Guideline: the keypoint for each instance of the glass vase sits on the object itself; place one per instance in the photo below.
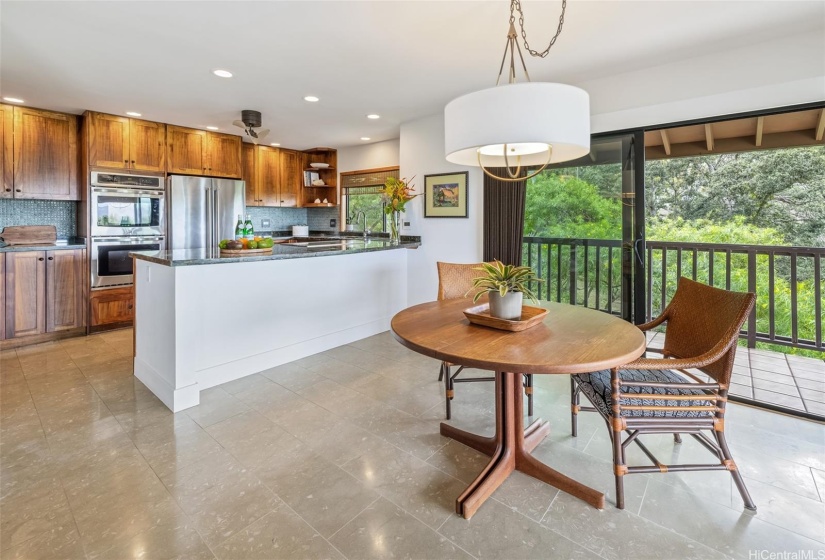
(395, 228)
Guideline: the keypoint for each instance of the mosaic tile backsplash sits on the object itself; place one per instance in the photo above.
(40, 213)
(282, 219)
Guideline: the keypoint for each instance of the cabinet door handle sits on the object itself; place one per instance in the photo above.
(133, 162)
(40, 259)
(19, 190)
(8, 190)
(50, 258)
(131, 306)
(126, 161)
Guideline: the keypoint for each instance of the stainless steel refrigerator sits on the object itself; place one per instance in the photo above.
(203, 210)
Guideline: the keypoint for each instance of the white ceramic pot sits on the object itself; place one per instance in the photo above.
(507, 307)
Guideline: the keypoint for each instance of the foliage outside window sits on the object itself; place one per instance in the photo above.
(367, 200)
(768, 197)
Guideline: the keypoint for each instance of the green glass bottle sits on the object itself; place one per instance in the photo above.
(248, 231)
(239, 229)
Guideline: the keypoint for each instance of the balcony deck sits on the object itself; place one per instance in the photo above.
(775, 379)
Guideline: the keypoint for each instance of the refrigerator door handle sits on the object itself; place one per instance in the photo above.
(216, 221)
(209, 216)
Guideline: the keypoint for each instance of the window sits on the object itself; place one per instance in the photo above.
(362, 192)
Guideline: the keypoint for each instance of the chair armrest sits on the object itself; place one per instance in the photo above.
(709, 357)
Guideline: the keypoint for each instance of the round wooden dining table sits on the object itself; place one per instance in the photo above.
(570, 340)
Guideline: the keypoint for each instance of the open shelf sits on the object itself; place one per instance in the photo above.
(316, 169)
(319, 204)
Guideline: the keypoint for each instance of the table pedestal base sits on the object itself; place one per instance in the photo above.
(510, 449)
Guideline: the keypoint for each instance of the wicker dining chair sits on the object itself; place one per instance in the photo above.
(658, 396)
(454, 281)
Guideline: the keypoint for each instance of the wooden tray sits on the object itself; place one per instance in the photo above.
(530, 317)
(29, 235)
(242, 252)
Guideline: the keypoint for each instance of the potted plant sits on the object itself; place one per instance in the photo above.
(507, 285)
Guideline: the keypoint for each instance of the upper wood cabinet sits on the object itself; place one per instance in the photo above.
(291, 177)
(124, 143)
(6, 155)
(44, 291)
(198, 152)
(45, 155)
(224, 155)
(273, 176)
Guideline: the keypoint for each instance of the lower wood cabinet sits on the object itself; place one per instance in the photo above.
(116, 305)
(44, 292)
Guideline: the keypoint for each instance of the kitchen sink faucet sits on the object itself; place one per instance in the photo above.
(363, 215)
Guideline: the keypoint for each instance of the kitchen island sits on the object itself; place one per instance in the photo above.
(202, 320)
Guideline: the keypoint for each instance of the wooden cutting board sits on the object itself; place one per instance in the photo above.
(29, 235)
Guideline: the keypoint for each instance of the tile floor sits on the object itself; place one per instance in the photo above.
(794, 382)
(338, 456)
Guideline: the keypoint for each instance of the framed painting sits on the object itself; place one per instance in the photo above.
(445, 195)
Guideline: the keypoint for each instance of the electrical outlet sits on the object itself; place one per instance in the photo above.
(332, 222)
(406, 224)
(265, 223)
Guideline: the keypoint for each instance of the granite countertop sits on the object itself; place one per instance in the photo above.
(60, 245)
(189, 257)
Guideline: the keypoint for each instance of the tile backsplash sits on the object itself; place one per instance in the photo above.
(61, 213)
(282, 219)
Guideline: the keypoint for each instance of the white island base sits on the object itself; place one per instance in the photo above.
(198, 326)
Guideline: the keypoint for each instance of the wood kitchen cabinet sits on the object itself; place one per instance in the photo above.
(44, 292)
(45, 155)
(273, 176)
(6, 155)
(116, 305)
(198, 152)
(123, 143)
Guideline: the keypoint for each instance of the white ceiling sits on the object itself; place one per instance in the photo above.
(400, 59)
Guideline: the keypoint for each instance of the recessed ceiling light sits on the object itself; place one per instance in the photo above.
(373, 116)
(274, 144)
(365, 138)
(222, 73)
(311, 99)
(133, 114)
(211, 128)
(13, 100)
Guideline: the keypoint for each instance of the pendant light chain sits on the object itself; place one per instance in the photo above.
(515, 5)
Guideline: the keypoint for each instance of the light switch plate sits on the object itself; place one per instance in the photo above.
(332, 222)
(265, 223)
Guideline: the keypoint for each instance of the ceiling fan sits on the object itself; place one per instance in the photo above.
(250, 122)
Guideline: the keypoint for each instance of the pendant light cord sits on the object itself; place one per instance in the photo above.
(515, 6)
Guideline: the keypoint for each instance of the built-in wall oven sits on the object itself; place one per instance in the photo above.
(111, 263)
(127, 205)
(127, 213)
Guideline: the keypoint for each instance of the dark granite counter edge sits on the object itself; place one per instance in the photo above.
(273, 257)
(62, 245)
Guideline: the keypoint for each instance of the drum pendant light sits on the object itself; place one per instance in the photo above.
(518, 125)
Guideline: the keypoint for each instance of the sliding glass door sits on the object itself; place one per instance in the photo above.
(584, 228)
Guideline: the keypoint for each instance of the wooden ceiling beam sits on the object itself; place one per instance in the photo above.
(665, 141)
(760, 125)
(709, 136)
(820, 127)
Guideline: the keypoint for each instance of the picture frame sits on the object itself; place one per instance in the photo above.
(445, 195)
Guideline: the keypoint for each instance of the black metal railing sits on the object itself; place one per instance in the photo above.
(787, 280)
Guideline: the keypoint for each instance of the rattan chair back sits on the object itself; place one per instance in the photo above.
(455, 280)
(700, 318)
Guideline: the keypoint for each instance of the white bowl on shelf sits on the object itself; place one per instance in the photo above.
(319, 165)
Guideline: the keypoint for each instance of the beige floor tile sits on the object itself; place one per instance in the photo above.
(250, 382)
(421, 489)
(215, 406)
(292, 376)
(279, 534)
(384, 530)
(325, 496)
(497, 532)
(162, 542)
(732, 532)
(63, 541)
(32, 510)
(168, 446)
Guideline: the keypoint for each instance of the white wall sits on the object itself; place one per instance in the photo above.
(782, 72)
(442, 239)
(368, 156)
